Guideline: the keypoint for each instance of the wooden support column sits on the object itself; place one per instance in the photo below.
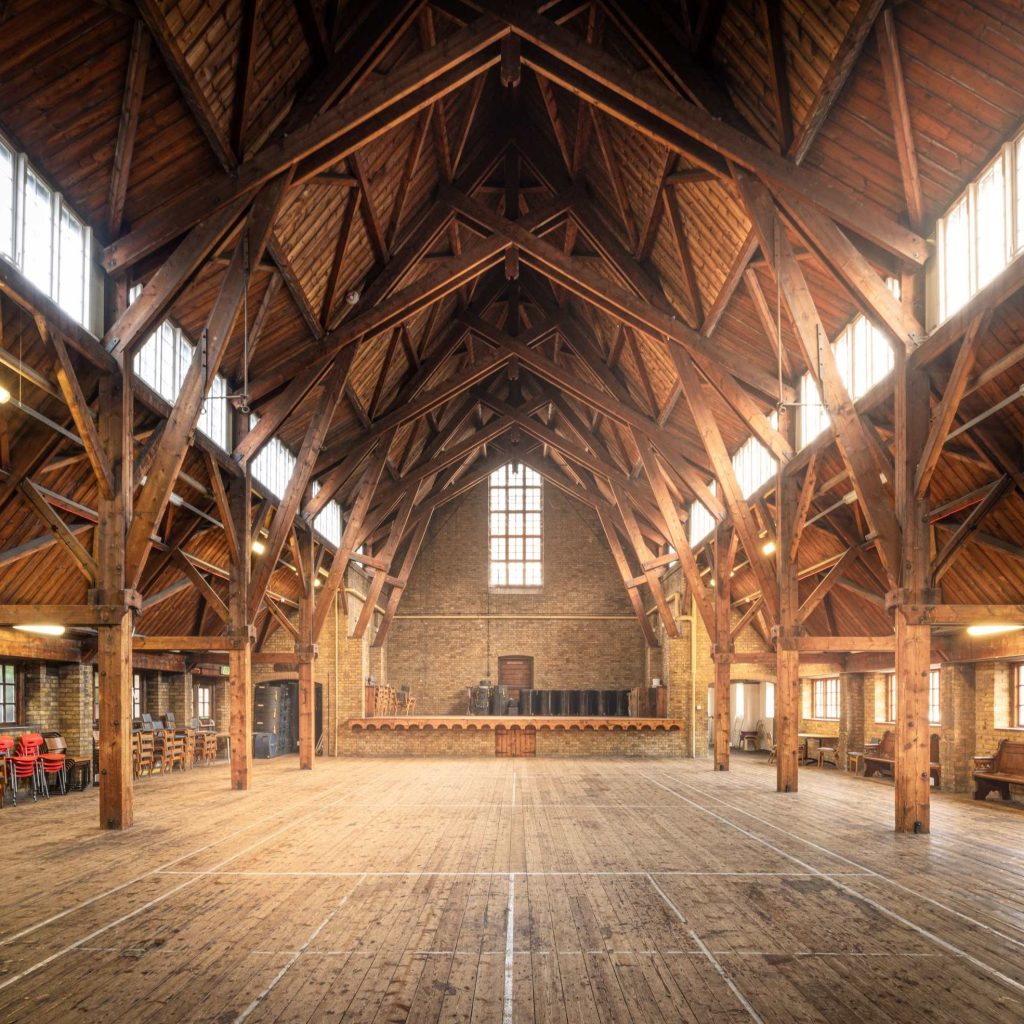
(913, 638)
(114, 642)
(725, 555)
(305, 650)
(787, 660)
(240, 655)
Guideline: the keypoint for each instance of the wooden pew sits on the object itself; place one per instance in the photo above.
(880, 757)
(995, 773)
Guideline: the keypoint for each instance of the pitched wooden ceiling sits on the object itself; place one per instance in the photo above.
(545, 237)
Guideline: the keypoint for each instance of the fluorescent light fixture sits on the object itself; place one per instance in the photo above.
(5, 395)
(991, 629)
(43, 629)
(258, 547)
(768, 547)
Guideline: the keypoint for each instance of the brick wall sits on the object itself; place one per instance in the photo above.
(75, 708)
(481, 743)
(439, 657)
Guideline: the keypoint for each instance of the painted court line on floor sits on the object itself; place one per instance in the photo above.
(160, 869)
(288, 966)
(864, 869)
(191, 880)
(867, 900)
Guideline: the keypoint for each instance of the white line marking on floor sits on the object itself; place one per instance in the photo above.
(159, 899)
(295, 956)
(722, 973)
(140, 878)
(661, 893)
(506, 1013)
(522, 874)
(874, 904)
(864, 869)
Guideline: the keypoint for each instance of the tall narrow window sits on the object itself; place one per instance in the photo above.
(1018, 697)
(8, 694)
(203, 701)
(955, 284)
(38, 234)
(71, 293)
(934, 708)
(991, 224)
(6, 201)
(702, 522)
(825, 705)
(136, 695)
(515, 527)
(890, 697)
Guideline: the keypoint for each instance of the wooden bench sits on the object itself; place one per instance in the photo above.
(997, 772)
(881, 757)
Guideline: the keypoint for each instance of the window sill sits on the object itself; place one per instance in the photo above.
(516, 590)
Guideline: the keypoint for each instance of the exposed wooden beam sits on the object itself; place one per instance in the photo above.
(131, 101)
(244, 74)
(367, 114)
(899, 108)
(776, 42)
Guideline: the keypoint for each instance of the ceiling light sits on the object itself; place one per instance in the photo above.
(352, 297)
(318, 582)
(768, 547)
(5, 395)
(43, 629)
(991, 629)
(258, 547)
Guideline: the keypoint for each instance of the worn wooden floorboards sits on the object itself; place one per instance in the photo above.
(511, 891)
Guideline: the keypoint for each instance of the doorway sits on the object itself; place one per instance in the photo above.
(515, 671)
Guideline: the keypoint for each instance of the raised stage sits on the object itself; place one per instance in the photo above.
(513, 736)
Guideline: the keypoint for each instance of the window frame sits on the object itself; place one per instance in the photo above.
(18, 703)
(202, 692)
(825, 698)
(531, 480)
(934, 696)
(1017, 696)
(59, 208)
(137, 688)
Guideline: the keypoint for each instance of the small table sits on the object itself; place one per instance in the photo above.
(853, 761)
(806, 737)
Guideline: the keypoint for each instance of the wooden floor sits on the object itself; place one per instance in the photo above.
(511, 891)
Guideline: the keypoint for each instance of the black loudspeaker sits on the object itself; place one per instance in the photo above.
(556, 702)
(499, 699)
(543, 702)
(264, 745)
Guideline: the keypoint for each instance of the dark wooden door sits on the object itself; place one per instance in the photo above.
(515, 741)
(515, 671)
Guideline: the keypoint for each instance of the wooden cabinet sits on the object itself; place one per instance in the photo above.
(648, 702)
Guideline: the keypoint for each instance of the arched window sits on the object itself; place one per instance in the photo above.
(514, 527)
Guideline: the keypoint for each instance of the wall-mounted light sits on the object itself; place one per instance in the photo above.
(42, 628)
(991, 629)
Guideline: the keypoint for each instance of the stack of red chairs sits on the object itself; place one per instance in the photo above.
(6, 746)
(27, 763)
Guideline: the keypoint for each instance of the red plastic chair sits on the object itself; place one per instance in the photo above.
(6, 746)
(53, 764)
(25, 767)
(29, 743)
(27, 763)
